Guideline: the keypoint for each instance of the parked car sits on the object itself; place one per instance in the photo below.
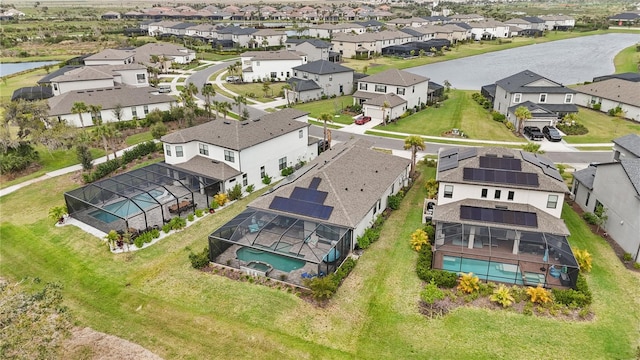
(233, 79)
(551, 133)
(363, 120)
(164, 89)
(533, 133)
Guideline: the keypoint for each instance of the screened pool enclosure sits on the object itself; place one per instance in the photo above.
(291, 246)
(141, 199)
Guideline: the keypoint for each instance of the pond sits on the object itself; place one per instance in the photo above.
(12, 68)
(566, 61)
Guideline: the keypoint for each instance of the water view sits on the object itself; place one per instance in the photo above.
(12, 68)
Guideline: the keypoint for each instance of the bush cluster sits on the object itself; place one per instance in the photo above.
(498, 117)
(287, 171)
(323, 288)
(369, 236)
(17, 158)
(199, 260)
(484, 102)
(590, 218)
(235, 193)
(579, 297)
(128, 156)
(575, 129)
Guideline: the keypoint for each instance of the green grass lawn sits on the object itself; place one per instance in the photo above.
(331, 106)
(216, 57)
(11, 83)
(459, 111)
(255, 90)
(627, 60)
(154, 298)
(138, 138)
(602, 127)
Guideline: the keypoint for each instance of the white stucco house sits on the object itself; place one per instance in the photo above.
(243, 152)
(390, 93)
(276, 65)
(111, 57)
(611, 93)
(96, 77)
(615, 187)
(489, 29)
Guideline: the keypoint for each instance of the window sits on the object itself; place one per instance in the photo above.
(167, 150)
(257, 63)
(146, 109)
(203, 149)
(300, 134)
(141, 78)
(381, 88)
(362, 86)
(282, 163)
(586, 203)
(517, 98)
(330, 77)
(497, 194)
(262, 172)
(568, 98)
(552, 202)
(305, 75)
(575, 188)
(484, 193)
(274, 74)
(244, 180)
(598, 210)
(448, 191)
(134, 111)
(510, 195)
(179, 152)
(400, 91)
(55, 87)
(543, 98)
(229, 156)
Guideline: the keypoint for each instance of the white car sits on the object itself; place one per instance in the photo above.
(233, 78)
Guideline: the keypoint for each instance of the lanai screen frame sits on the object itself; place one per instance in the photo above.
(84, 201)
(237, 232)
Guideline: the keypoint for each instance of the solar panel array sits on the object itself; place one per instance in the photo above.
(500, 163)
(467, 153)
(501, 216)
(315, 182)
(501, 176)
(547, 166)
(300, 207)
(448, 159)
(309, 195)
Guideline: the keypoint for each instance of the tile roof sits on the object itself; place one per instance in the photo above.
(209, 167)
(520, 83)
(108, 98)
(395, 77)
(630, 142)
(322, 67)
(618, 90)
(392, 100)
(236, 135)
(354, 176)
(586, 176)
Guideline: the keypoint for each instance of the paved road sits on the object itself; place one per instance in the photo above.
(200, 78)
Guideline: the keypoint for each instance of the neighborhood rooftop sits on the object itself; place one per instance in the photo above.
(322, 67)
(395, 77)
(627, 92)
(630, 142)
(108, 98)
(529, 82)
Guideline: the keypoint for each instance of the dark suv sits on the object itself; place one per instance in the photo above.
(551, 133)
(533, 133)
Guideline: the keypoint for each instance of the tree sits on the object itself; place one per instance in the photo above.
(601, 216)
(447, 86)
(84, 157)
(266, 88)
(324, 117)
(365, 69)
(186, 97)
(118, 112)
(102, 131)
(57, 213)
(385, 116)
(79, 108)
(239, 100)
(522, 114)
(208, 91)
(286, 88)
(415, 143)
(225, 107)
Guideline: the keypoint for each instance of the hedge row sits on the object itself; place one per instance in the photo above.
(106, 168)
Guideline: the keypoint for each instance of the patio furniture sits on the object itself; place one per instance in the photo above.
(254, 228)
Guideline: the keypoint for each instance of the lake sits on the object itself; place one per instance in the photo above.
(566, 61)
(12, 68)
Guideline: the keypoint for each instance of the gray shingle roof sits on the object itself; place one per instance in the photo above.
(395, 77)
(586, 176)
(630, 142)
(618, 90)
(392, 100)
(299, 85)
(546, 222)
(517, 83)
(208, 167)
(354, 176)
(108, 98)
(273, 55)
(537, 110)
(83, 74)
(632, 168)
(321, 67)
(111, 54)
(236, 135)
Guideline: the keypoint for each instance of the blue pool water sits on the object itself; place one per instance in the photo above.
(485, 270)
(127, 207)
(281, 263)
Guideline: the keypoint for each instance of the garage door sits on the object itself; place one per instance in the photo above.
(374, 111)
(539, 123)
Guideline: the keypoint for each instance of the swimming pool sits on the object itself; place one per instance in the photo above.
(485, 270)
(279, 262)
(125, 208)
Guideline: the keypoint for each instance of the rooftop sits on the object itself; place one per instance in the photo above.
(395, 77)
(630, 143)
(322, 67)
(529, 82)
(108, 98)
(623, 91)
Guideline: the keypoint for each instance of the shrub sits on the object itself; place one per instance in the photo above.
(158, 130)
(344, 270)
(266, 179)
(250, 188)
(322, 288)
(177, 223)
(597, 106)
(469, 283)
(139, 242)
(199, 260)
(369, 236)
(287, 171)
(235, 193)
(166, 228)
(502, 295)
(84, 157)
(498, 117)
(155, 233)
(431, 186)
(627, 257)
(538, 295)
(431, 293)
(419, 239)
(590, 218)
(570, 297)
(636, 266)
(575, 129)
(532, 148)
(393, 201)
(199, 212)
(584, 259)
(509, 125)
(430, 230)
(220, 199)
(190, 217)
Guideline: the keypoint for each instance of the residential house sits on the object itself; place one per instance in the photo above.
(243, 152)
(327, 30)
(127, 103)
(614, 187)
(110, 15)
(611, 94)
(312, 223)
(111, 57)
(367, 44)
(489, 29)
(96, 77)
(410, 22)
(558, 22)
(466, 18)
(320, 78)
(160, 27)
(498, 216)
(628, 18)
(269, 38)
(315, 49)
(526, 86)
(388, 94)
(201, 30)
(179, 29)
(241, 37)
(171, 52)
(270, 65)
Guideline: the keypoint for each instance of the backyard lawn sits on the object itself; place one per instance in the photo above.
(628, 60)
(154, 298)
(460, 111)
(255, 91)
(331, 106)
(602, 127)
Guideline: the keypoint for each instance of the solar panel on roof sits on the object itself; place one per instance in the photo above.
(315, 182)
(467, 153)
(310, 195)
(500, 163)
(501, 216)
(447, 164)
(449, 152)
(500, 176)
(300, 207)
(531, 158)
(553, 172)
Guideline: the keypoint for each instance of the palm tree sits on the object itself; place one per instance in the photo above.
(415, 143)
(522, 113)
(186, 96)
(240, 99)
(324, 117)
(96, 113)
(225, 107)
(208, 91)
(79, 108)
(385, 117)
(286, 88)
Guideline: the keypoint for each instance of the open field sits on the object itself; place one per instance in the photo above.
(331, 106)
(153, 297)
